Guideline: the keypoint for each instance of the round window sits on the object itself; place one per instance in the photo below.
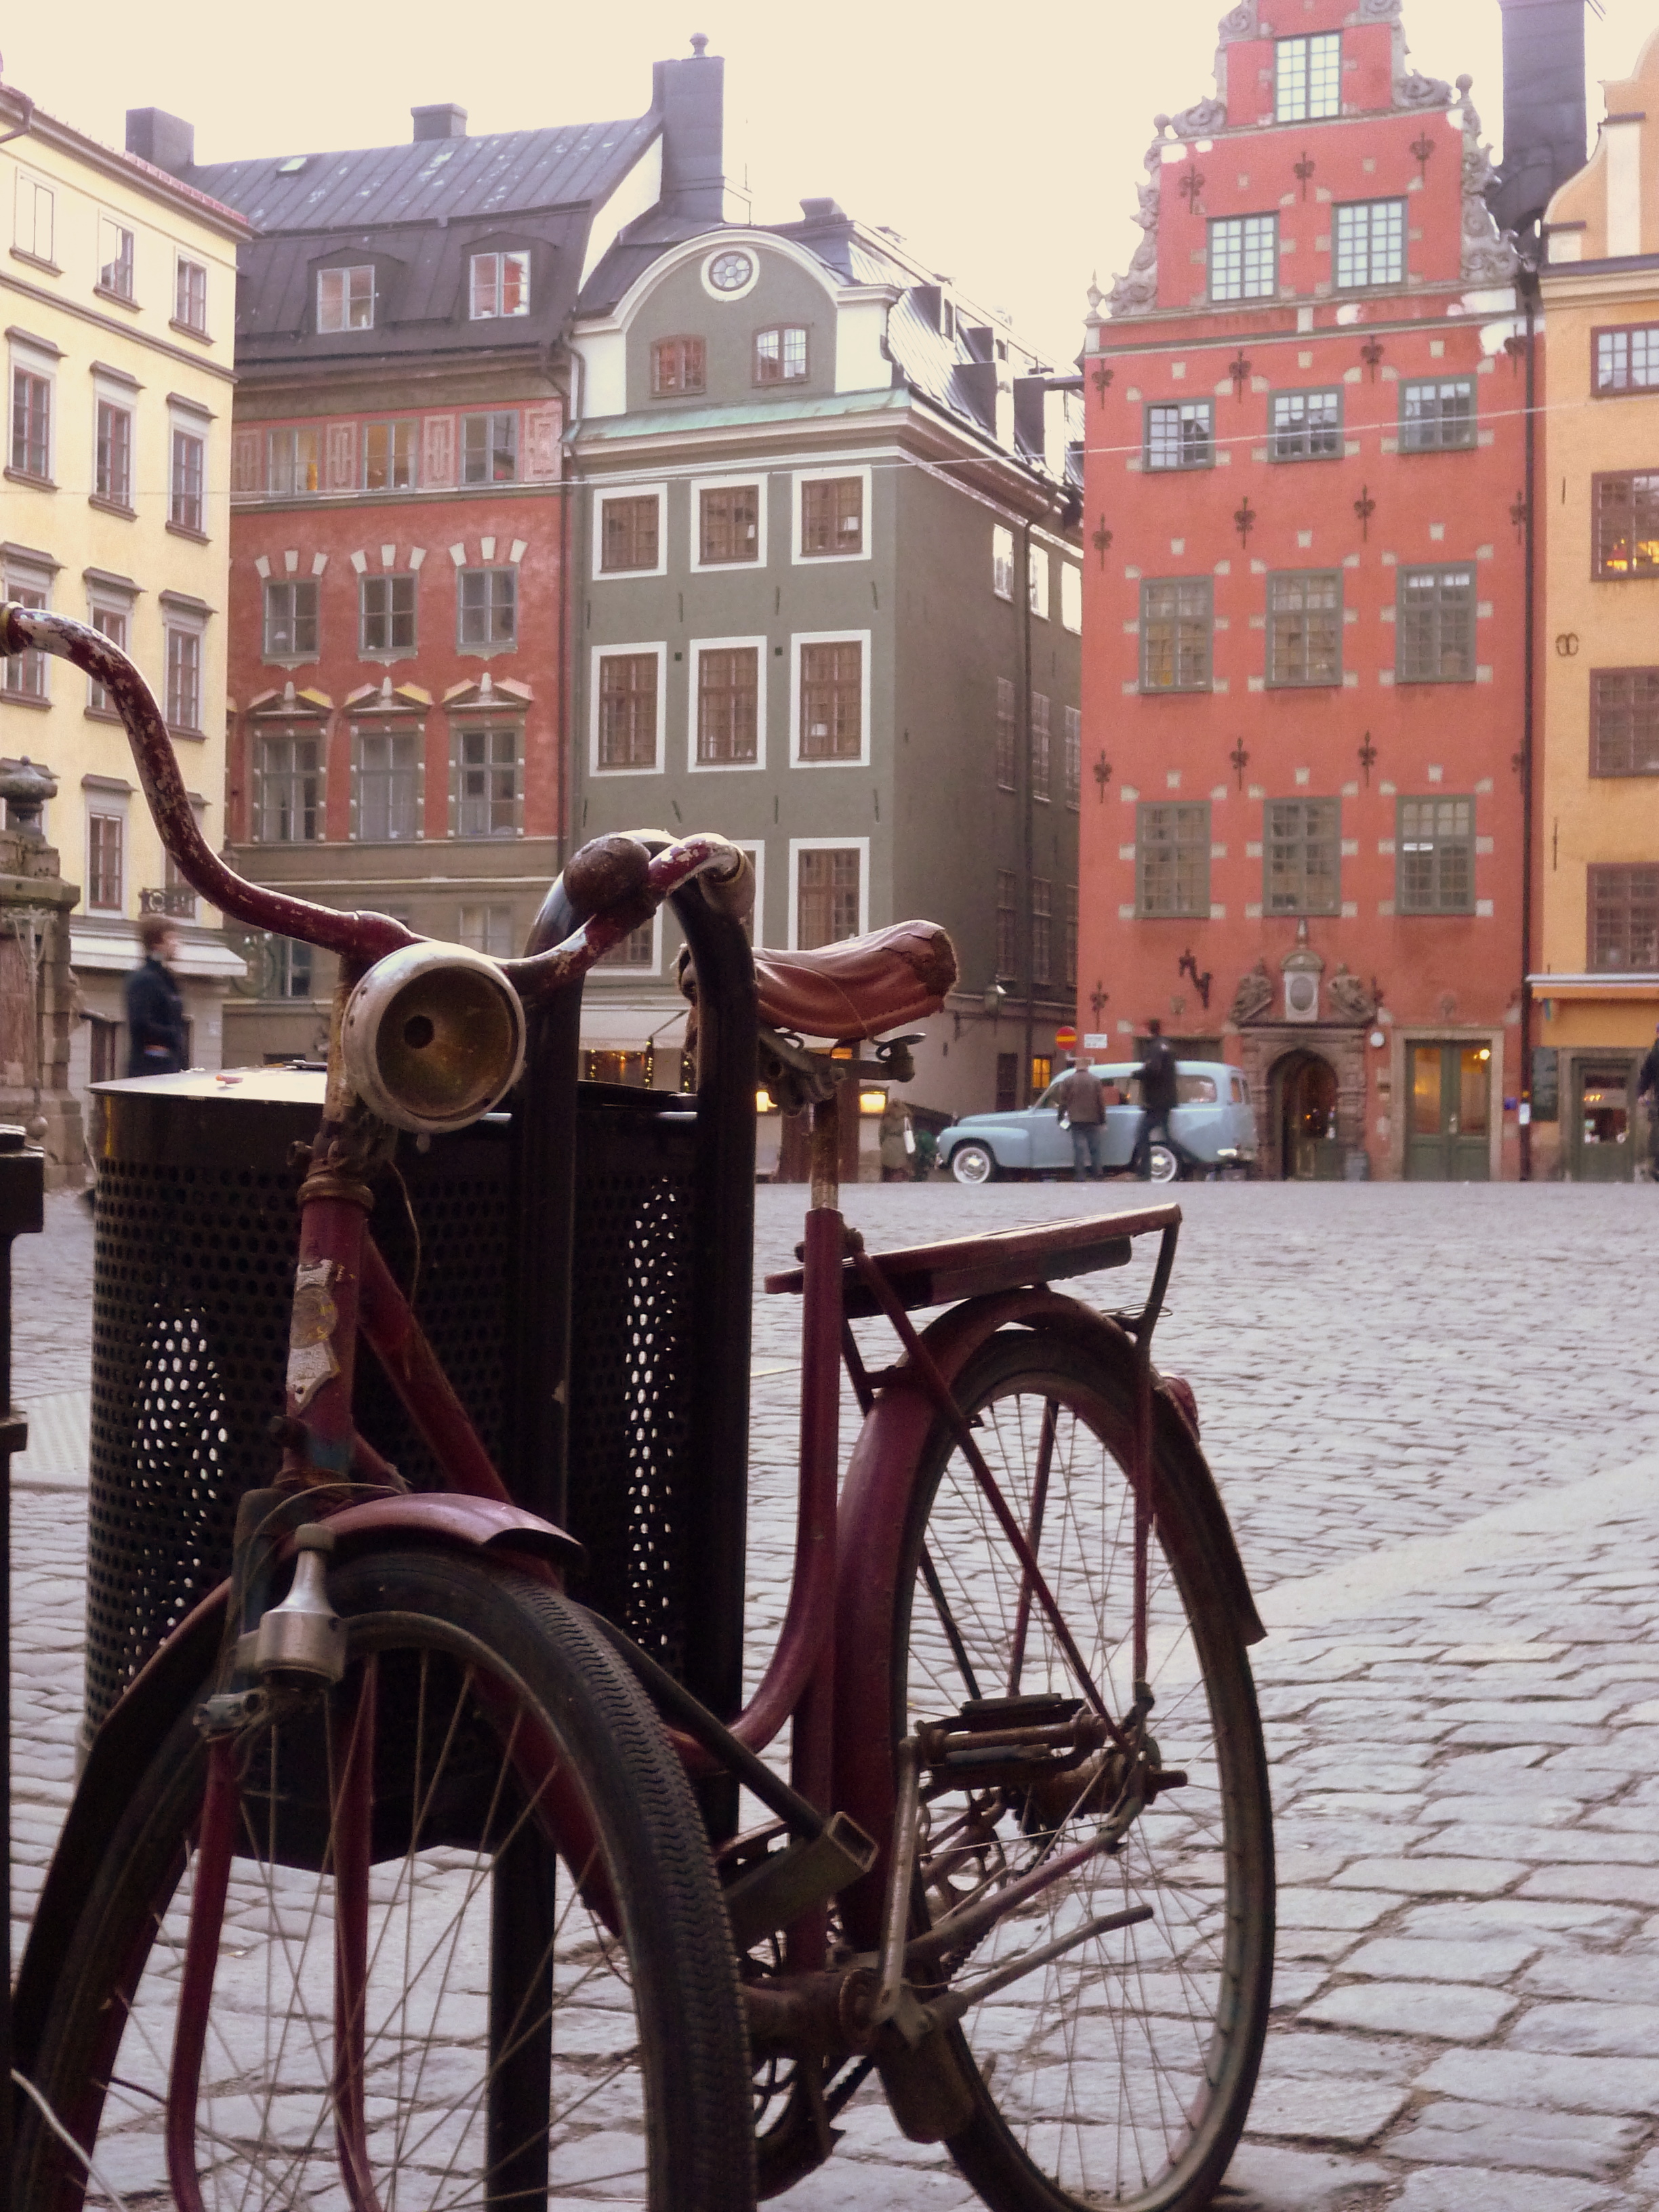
(729, 273)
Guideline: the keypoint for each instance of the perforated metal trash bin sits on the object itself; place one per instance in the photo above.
(197, 1235)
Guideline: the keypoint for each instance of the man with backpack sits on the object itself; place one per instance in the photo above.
(1157, 1073)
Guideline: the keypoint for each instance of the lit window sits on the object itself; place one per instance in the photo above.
(1071, 595)
(189, 295)
(1036, 580)
(1176, 625)
(345, 299)
(389, 456)
(501, 285)
(1002, 562)
(1244, 258)
(114, 257)
(780, 354)
(1308, 77)
(1371, 245)
(1626, 517)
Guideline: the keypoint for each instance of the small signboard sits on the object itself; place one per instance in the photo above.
(1096, 1041)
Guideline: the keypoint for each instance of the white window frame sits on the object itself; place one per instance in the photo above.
(497, 313)
(657, 491)
(695, 647)
(1002, 561)
(760, 480)
(598, 973)
(483, 906)
(347, 269)
(126, 251)
(19, 576)
(1070, 597)
(33, 362)
(120, 399)
(180, 262)
(756, 848)
(1037, 565)
(800, 560)
(108, 599)
(26, 230)
(608, 651)
(107, 806)
(798, 639)
(181, 425)
(799, 845)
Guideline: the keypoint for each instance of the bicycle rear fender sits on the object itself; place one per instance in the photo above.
(135, 1728)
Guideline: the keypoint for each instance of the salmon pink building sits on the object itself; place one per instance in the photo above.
(1302, 690)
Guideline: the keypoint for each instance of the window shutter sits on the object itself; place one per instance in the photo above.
(245, 471)
(440, 469)
(542, 425)
(342, 456)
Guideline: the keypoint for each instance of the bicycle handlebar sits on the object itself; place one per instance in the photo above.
(359, 939)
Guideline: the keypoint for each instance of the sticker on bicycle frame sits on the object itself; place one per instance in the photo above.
(310, 1359)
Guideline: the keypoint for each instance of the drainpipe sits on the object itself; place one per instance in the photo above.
(1028, 825)
(1529, 294)
(569, 658)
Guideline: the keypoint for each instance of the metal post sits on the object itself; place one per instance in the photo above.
(1529, 292)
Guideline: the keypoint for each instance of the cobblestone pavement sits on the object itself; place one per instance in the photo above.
(1434, 1416)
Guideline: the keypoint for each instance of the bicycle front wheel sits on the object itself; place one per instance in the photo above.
(1121, 2073)
(544, 2000)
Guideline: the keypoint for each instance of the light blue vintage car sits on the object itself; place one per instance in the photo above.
(1212, 1129)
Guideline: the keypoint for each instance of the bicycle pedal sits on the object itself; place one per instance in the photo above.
(785, 1884)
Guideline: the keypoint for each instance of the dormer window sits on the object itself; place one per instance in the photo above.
(780, 354)
(1308, 77)
(501, 285)
(345, 299)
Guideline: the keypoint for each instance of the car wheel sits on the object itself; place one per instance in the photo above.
(973, 1164)
(1165, 1167)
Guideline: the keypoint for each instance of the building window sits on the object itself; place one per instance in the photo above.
(486, 782)
(345, 299)
(780, 354)
(189, 295)
(291, 620)
(110, 623)
(23, 675)
(386, 606)
(826, 895)
(288, 790)
(1302, 848)
(31, 424)
(488, 601)
(1071, 934)
(294, 462)
(832, 701)
(1624, 919)
(1006, 747)
(291, 967)
(389, 455)
(676, 367)
(1308, 77)
(728, 703)
(1040, 748)
(1071, 597)
(111, 478)
(1007, 1082)
(177, 895)
(501, 285)
(1627, 510)
(1627, 359)
(1244, 258)
(628, 710)
(1036, 581)
(1305, 628)
(1625, 721)
(831, 516)
(488, 929)
(490, 448)
(1434, 622)
(1007, 924)
(185, 680)
(388, 784)
(114, 257)
(1434, 842)
(1172, 859)
(728, 525)
(1305, 426)
(1042, 929)
(1181, 434)
(1002, 562)
(1074, 757)
(637, 950)
(1175, 621)
(1436, 416)
(1371, 245)
(105, 834)
(35, 213)
(628, 534)
(187, 509)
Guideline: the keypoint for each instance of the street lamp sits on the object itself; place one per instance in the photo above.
(994, 995)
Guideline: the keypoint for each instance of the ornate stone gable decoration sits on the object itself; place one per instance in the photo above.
(1302, 968)
(1379, 11)
(1202, 120)
(1350, 1000)
(1254, 996)
(1136, 291)
(1239, 22)
(1489, 254)
(1411, 88)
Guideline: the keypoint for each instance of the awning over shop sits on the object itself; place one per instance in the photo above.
(102, 948)
(615, 1028)
(1609, 987)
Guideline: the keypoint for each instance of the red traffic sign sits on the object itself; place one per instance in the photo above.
(1065, 1039)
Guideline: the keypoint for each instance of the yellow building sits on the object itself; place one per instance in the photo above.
(119, 321)
(1596, 978)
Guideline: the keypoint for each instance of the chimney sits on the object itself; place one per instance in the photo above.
(446, 120)
(1543, 107)
(690, 96)
(165, 140)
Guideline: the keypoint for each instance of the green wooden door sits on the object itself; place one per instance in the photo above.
(1450, 1105)
(1601, 1140)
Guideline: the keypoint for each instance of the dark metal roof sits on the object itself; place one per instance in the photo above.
(508, 172)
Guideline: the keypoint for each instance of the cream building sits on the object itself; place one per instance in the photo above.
(1596, 978)
(119, 320)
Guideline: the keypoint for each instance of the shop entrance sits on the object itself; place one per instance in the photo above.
(1450, 1089)
(1306, 1118)
(1603, 1137)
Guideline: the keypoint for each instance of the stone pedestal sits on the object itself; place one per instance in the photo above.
(36, 987)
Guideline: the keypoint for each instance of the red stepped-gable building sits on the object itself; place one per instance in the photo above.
(1302, 666)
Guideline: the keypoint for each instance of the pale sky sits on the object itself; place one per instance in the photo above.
(1003, 143)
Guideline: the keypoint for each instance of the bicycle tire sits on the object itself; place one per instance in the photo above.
(648, 2072)
(1177, 2009)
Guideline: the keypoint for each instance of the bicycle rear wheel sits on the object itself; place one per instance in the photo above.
(549, 2003)
(1121, 2072)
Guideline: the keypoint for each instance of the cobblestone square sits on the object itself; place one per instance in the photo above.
(1433, 1415)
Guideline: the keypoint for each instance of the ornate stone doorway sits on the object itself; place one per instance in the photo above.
(1305, 1103)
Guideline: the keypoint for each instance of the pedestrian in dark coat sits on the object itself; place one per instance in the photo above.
(155, 1006)
(1647, 1087)
(1158, 1096)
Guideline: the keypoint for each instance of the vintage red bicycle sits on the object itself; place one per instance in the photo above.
(397, 1877)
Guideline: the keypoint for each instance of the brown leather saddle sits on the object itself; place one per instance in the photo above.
(860, 987)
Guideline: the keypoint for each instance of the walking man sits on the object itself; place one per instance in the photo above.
(1083, 1106)
(1158, 1100)
(1647, 1088)
(155, 1009)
